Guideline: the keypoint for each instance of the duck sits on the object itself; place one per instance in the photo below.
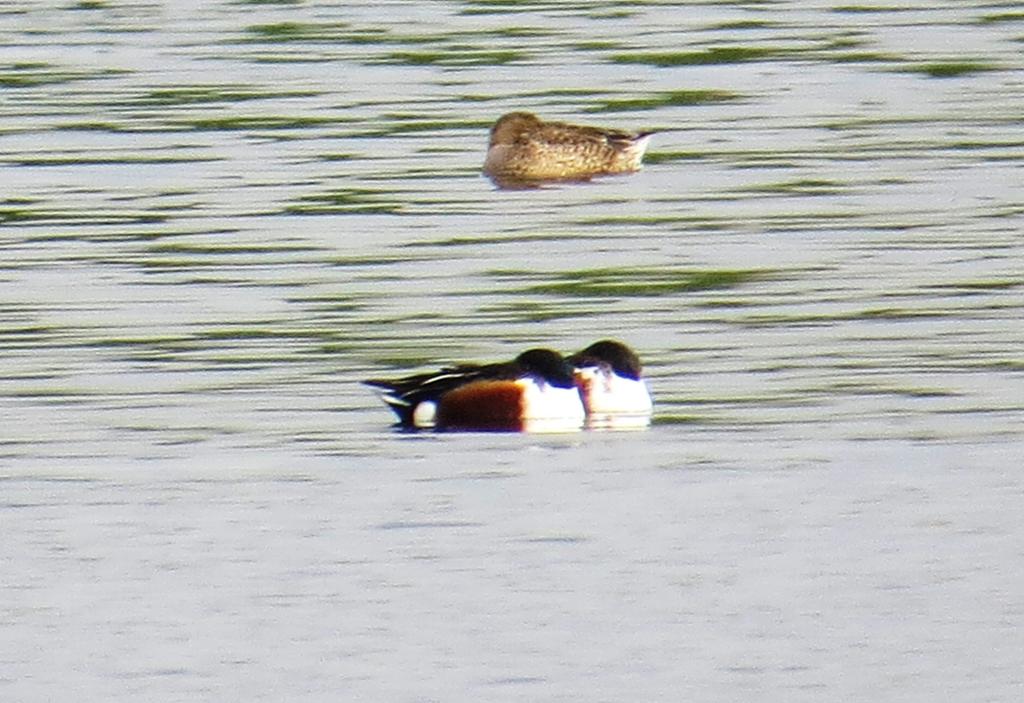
(525, 150)
(536, 391)
(609, 376)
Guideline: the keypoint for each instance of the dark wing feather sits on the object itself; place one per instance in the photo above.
(403, 394)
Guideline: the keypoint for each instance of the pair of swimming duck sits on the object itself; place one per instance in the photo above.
(538, 390)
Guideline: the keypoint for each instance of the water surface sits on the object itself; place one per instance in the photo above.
(216, 218)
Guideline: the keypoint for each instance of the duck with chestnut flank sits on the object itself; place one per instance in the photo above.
(536, 391)
(609, 376)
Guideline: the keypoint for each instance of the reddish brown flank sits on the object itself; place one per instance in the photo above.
(584, 383)
(486, 405)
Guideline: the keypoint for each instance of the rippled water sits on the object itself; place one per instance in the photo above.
(216, 218)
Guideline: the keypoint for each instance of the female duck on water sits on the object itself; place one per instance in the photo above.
(525, 150)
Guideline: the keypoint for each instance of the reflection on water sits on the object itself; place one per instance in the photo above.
(217, 217)
(618, 422)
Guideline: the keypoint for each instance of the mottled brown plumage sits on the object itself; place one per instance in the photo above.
(524, 149)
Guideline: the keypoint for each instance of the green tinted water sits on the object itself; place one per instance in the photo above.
(216, 218)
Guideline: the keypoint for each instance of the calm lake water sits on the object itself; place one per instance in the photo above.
(217, 217)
